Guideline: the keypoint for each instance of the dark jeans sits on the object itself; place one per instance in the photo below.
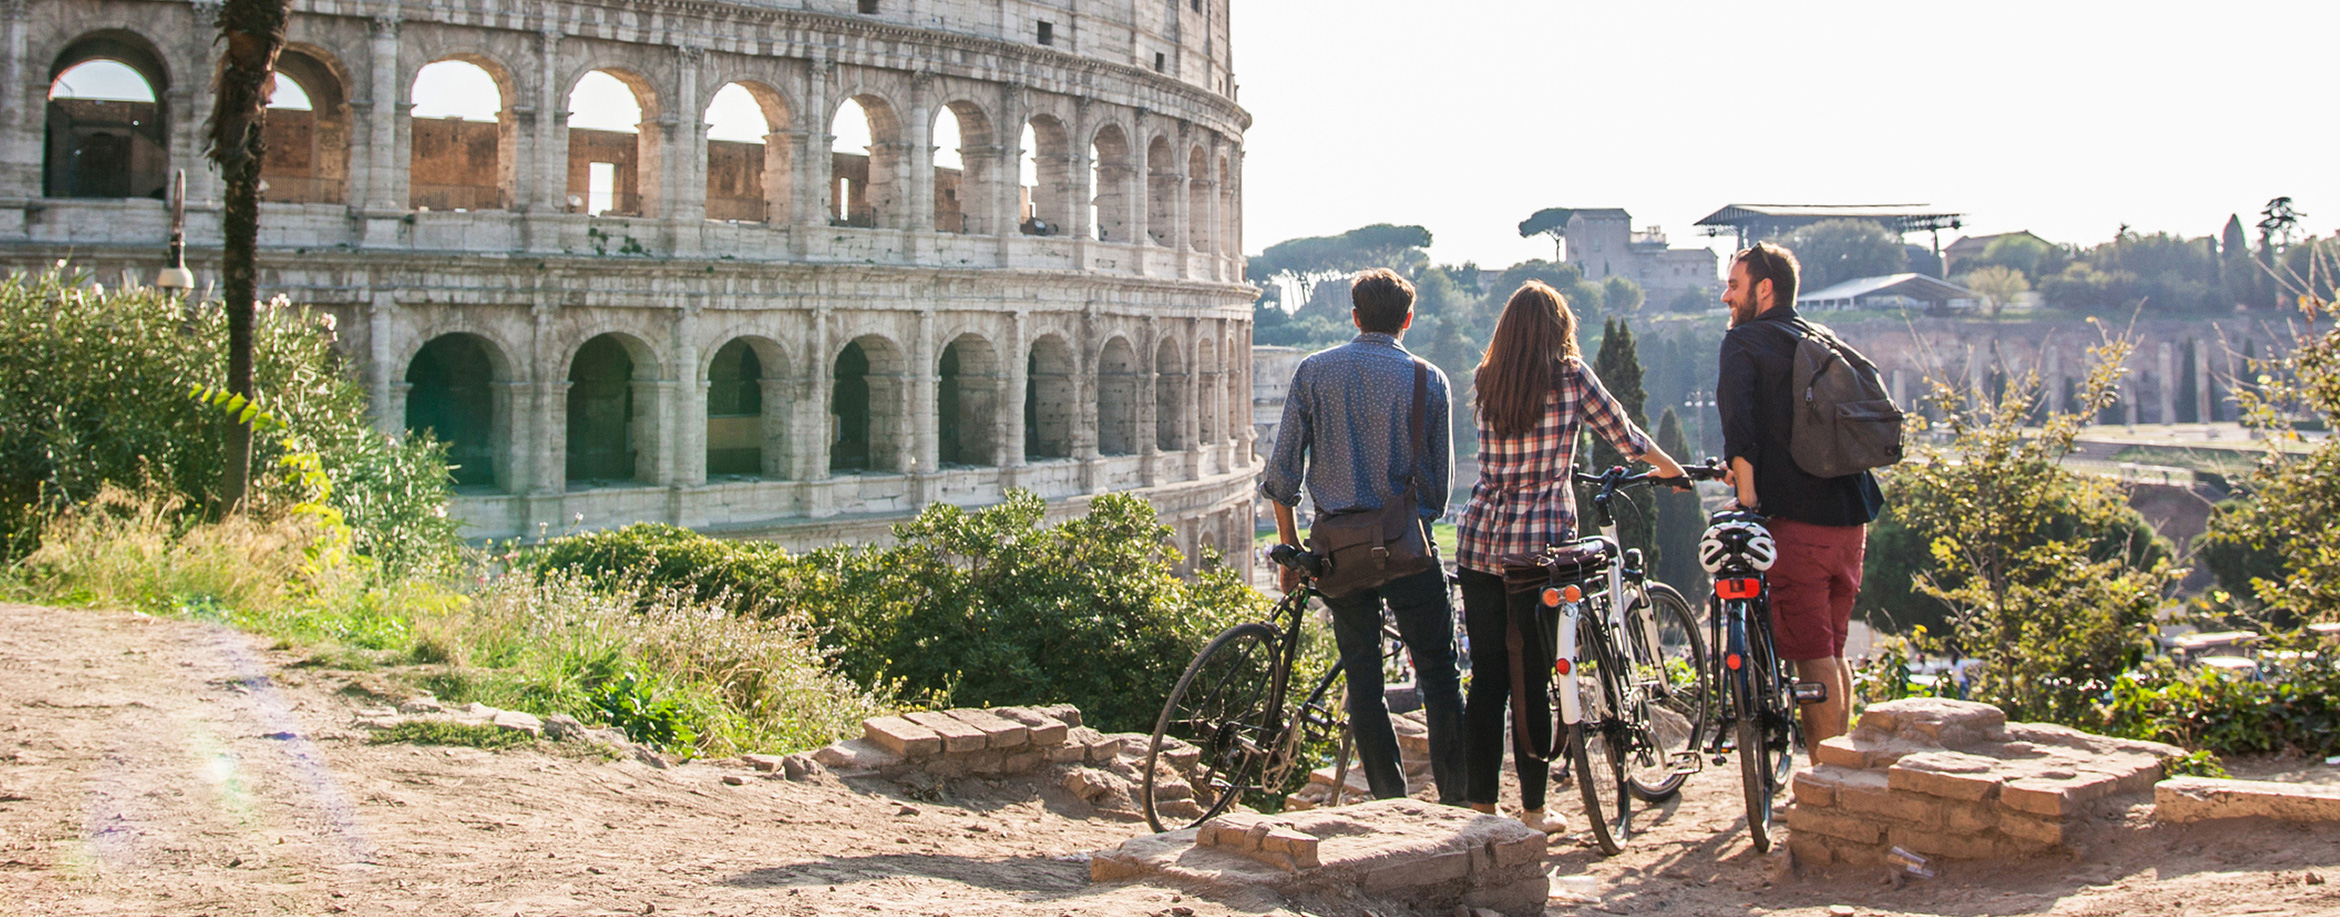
(1486, 609)
(1425, 621)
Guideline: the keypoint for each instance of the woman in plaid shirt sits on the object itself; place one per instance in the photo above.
(1533, 392)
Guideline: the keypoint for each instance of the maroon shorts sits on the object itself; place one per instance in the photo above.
(1812, 586)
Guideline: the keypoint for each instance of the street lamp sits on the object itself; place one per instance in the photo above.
(175, 276)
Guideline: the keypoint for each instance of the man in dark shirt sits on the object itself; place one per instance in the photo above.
(1819, 524)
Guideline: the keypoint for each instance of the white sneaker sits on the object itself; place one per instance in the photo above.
(1537, 819)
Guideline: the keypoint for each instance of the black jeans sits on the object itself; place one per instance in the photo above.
(1486, 613)
(1425, 620)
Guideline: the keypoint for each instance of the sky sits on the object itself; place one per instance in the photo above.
(2064, 117)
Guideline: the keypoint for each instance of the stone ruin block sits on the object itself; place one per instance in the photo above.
(1954, 780)
(1431, 858)
(2192, 799)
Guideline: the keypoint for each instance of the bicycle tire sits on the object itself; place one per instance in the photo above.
(1677, 703)
(1594, 746)
(1319, 733)
(1224, 707)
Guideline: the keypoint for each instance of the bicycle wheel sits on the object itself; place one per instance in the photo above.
(1765, 735)
(1675, 697)
(1223, 709)
(1318, 742)
(1595, 746)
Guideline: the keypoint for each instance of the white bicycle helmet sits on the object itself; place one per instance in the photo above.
(1746, 542)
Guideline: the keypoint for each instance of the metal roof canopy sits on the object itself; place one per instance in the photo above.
(1915, 286)
(1760, 219)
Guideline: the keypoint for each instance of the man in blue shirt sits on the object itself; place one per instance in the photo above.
(1345, 434)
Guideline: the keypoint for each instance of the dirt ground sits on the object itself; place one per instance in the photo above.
(155, 767)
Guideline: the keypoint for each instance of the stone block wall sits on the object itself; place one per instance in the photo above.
(1101, 769)
(1954, 780)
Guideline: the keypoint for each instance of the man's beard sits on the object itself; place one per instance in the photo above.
(1741, 315)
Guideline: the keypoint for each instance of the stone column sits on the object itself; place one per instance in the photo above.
(814, 166)
(924, 443)
(549, 187)
(780, 411)
(820, 383)
(1191, 435)
(20, 136)
(1134, 185)
(544, 471)
(916, 185)
(1084, 195)
(381, 372)
(189, 102)
(2167, 403)
(685, 193)
(1018, 382)
(688, 431)
(2204, 409)
(385, 191)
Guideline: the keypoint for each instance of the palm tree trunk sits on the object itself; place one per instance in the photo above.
(253, 31)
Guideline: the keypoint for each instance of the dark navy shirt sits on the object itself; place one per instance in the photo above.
(1345, 431)
(1755, 397)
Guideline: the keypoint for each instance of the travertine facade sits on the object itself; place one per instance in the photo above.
(724, 346)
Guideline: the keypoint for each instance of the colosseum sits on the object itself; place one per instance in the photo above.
(1020, 267)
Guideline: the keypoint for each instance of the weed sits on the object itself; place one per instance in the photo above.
(441, 732)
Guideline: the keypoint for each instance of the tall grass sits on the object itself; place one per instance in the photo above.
(668, 668)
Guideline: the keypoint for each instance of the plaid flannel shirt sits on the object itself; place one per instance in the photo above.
(1523, 499)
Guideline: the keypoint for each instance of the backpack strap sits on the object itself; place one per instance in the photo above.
(1415, 421)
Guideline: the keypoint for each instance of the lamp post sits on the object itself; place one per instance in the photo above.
(174, 276)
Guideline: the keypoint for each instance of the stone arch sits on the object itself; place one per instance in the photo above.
(968, 383)
(868, 407)
(1170, 397)
(455, 163)
(750, 181)
(1110, 168)
(108, 148)
(965, 199)
(607, 161)
(612, 411)
(308, 150)
(1162, 192)
(1046, 177)
(1050, 412)
(455, 391)
(1199, 234)
(1117, 395)
(747, 408)
(1236, 392)
(865, 188)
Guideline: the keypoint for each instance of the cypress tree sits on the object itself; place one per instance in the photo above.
(1674, 552)
(1618, 365)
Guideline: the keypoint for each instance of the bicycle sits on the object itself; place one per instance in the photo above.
(1760, 695)
(1629, 665)
(1227, 712)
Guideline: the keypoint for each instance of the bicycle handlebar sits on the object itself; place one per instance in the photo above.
(1617, 478)
(1290, 555)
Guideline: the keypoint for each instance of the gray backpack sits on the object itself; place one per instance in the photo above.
(1845, 420)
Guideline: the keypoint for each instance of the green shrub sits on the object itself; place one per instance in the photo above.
(2293, 707)
(969, 608)
(97, 394)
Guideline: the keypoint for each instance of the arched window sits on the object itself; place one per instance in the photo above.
(452, 397)
(602, 430)
(748, 166)
(107, 130)
(735, 411)
(308, 134)
(1109, 174)
(1170, 383)
(950, 173)
(865, 167)
(1117, 394)
(610, 156)
(967, 402)
(462, 151)
(1046, 178)
(1161, 193)
(866, 408)
(1049, 411)
(849, 405)
(1198, 201)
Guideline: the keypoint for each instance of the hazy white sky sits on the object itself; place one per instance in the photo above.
(2065, 117)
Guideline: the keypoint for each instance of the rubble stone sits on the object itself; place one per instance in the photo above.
(2192, 799)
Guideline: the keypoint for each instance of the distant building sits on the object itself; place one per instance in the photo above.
(1974, 247)
(1915, 292)
(1602, 244)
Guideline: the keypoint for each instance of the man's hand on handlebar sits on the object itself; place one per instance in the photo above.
(1288, 579)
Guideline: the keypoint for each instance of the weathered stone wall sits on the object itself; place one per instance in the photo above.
(1955, 780)
(438, 228)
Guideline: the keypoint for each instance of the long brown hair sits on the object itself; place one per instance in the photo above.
(1536, 329)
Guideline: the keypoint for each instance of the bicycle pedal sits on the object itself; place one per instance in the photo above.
(1811, 692)
(1720, 760)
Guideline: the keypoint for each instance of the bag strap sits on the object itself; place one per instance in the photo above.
(1414, 421)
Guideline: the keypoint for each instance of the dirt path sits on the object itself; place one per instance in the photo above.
(166, 767)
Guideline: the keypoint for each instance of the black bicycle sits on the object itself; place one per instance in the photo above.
(1759, 693)
(1225, 731)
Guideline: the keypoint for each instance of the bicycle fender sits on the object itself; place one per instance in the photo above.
(1571, 705)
